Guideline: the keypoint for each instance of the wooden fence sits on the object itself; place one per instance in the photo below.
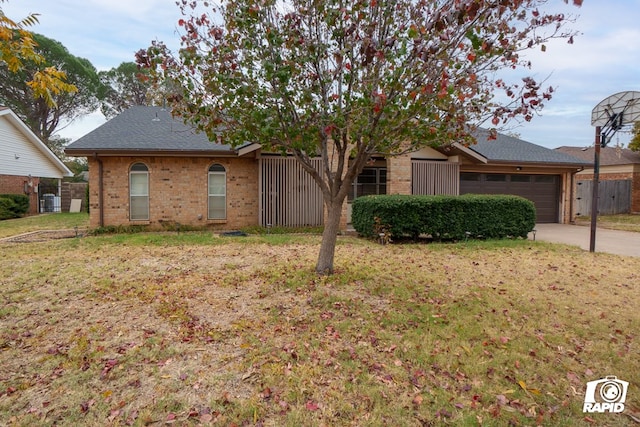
(289, 197)
(614, 197)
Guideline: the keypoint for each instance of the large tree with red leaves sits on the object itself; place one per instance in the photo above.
(344, 80)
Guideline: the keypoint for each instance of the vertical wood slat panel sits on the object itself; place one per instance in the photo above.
(431, 178)
(614, 197)
(289, 196)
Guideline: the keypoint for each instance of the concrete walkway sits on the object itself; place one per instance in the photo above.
(610, 241)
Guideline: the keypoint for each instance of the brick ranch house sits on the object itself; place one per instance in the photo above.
(619, 190)
(148, 168)
(25, 159)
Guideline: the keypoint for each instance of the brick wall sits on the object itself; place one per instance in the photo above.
(399, 174)
(178, 191)
(12, 184)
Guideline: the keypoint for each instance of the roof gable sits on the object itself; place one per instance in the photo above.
(23, 153)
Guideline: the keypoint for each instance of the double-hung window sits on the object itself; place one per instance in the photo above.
(139, 192)
(370, 181)
(217, 192)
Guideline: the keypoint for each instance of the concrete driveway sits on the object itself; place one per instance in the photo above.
(610, 241)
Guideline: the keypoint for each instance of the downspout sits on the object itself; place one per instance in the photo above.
(100, 192)
(572, 184)
(573, 194)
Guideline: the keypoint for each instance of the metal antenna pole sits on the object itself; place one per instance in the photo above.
(596, 184)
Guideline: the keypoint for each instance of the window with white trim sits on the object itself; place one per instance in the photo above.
(217, 192)
(139, 192)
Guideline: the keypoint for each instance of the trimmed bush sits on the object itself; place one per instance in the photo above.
(444, 217)
(13, 205)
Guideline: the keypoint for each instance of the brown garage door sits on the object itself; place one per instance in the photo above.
(542, 190)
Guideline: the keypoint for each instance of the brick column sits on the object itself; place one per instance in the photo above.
(399, 174)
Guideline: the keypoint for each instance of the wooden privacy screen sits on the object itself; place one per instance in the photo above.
(430, 178)
(289, 197)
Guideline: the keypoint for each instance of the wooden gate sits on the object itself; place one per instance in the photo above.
(614, 197)
(429, 177)
(289, 197)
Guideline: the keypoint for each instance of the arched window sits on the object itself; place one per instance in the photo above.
(139, 192)
(217, 192)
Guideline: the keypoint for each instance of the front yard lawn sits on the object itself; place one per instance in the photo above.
(624, 222)
(190, 329)
(54, 221)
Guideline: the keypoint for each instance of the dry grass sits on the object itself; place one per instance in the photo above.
(623, 222)
(191, 329)
(57, 221)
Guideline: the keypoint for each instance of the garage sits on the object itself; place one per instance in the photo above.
(542, 190)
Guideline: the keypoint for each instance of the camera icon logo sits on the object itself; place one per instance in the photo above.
(605, 395)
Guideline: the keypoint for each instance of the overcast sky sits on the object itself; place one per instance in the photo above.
(604, 59)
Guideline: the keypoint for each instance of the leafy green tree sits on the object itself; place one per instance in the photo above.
(77, 166)
(344, 80)
(126, 85)
(634, 145)
(56, 144)
(17, 47)
(43, 117)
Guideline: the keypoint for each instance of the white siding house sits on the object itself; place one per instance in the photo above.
(24, 159)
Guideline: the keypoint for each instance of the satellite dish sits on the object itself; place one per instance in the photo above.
(617, 110)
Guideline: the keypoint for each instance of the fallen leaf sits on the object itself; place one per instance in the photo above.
(132, 417)
(266, 393)
(417, 400)
(113, 414)
(502, 400)
(312, 406)
(443, 413)
(573, 378)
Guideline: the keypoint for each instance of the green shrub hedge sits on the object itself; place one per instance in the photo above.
(13, 205)
(444, 217)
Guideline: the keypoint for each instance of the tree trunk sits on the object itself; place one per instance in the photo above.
(329, 239)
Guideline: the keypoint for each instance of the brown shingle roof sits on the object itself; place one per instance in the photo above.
(609, 156)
